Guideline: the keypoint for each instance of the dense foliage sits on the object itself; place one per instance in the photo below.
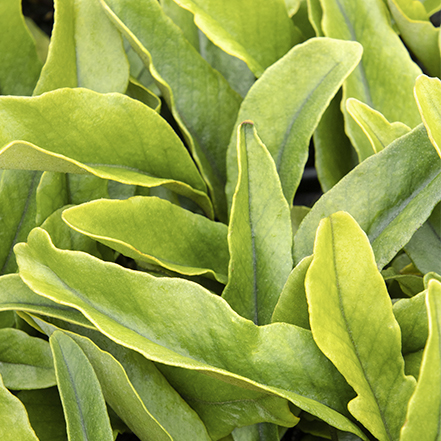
(158, 281)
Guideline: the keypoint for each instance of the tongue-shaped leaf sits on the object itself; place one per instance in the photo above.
(259, 236)
(286, 117)
(353, 324)
(156, 231)
(110, 136)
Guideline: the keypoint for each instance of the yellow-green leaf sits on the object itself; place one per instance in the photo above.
(375, 81)
(14, 421)
(353, 324)
(158, 317)
(375, 126)
(252, 39)
(110, 136)
(156, 231)
(83, 402)
(428, 97)
(259, 234)
(80, 57)
(424, 411)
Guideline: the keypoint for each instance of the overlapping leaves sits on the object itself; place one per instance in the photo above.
(262, 346)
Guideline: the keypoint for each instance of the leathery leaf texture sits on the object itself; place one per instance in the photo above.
(179, 323)
(353, 324)
(156, 231)
(424, 411)
(259, 236)
(81, 131)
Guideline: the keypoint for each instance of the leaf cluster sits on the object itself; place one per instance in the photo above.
(158, 281)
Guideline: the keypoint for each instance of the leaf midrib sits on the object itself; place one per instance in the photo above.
(349, 331)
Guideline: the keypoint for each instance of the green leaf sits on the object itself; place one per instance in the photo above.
(419, 34)
(235, 71)
(353, 325)
(17, 212)
(259, 235)
(335, 156)
(15, 295)
(389, 206)
(428, 97)
(184, 20)
(375, 81)
(155, 231)
(132, 143)
(315, 15)
(14, 421)
(285, 117)
(257, 432)
(64, 237)
(424, 248)
(431, 6)
(83, 403)
(40, 37)
(19, 62)
(191, 87)
(135, 389)
(298, 213)
(252, 40)
(7, 319)
(292, 306)
(139, 92)
(223, 406)
(25, 362)
(45, 413)
(411, 315)
(52, 194)
(158, 318)
(375, 126)
(424, 411)
(81, 58)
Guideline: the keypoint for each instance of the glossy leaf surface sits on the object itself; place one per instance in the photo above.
(76, 119)
(191, 87)
(157, 317)
(25, 362)
(424, 411)
(285, 117)
(428, 96)
(259, 235)
(19, 62)
(389, 205)
(156, 231)
(251, 39)
(81, 58)
(83, 403)
(353, 324)
(374, 81)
